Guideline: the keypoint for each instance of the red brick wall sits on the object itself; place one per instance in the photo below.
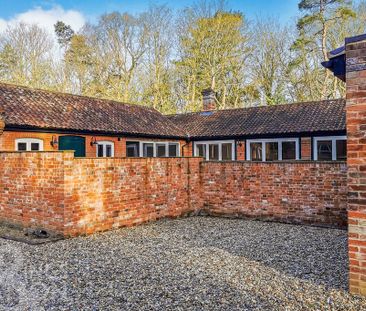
(187, 149)
(109, 193)
(54, 191)
(32, 189)
(356, 160)
(306, 148)
(311, 193)
(240, 150)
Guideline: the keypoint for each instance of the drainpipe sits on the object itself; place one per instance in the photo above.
(2, 122)
(2, 126)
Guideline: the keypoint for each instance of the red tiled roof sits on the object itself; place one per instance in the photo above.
(307, 117)
(32, 108)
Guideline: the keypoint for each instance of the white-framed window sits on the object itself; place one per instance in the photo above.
(151, 149)
(272, 149)
(105, 149)
(219, 150)
(28, 144)
(330, 148)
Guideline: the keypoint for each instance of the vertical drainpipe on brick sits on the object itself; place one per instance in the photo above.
(356, 160)
(2, 126)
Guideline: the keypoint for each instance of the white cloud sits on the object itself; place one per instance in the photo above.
(46, 18)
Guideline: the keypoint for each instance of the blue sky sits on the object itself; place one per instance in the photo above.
(285, 10)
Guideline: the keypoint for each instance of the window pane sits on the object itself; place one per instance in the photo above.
(227, 152)
(256, 151)
(148, 149)
(173, 150)
(160, 150)
(213, 151)
(100, 150)
(201, 150)
(341, 150)
(324, 148)
(132, 149)
(108, 150)
(34, 146)
(22, 146)
(272, 151)
(288, 150)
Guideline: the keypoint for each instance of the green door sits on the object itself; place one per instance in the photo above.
(76, 143)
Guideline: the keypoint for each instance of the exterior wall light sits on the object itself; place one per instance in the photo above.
(93, 142)
(54, 141)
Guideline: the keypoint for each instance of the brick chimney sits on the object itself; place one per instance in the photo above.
(209, 99)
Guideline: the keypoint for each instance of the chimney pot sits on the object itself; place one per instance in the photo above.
(209, 99)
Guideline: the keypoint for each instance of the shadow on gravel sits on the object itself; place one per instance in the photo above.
(310, 253)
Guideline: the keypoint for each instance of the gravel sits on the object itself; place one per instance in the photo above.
(196, 263)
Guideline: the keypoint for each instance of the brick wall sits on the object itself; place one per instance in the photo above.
(32, 189)
(240, 150)
(311, 193)
(187, 149)
(306, 148)
(55, 191)
(111, 193)
(356, 160)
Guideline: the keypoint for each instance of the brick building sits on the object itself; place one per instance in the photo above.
(73, 196)
(38, 120)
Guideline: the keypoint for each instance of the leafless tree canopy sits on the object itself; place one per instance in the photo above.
(164, 58)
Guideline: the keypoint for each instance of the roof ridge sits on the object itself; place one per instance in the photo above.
(262, 107)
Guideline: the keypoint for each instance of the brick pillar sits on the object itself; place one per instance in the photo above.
(187, 149)
(305, 148)
(356, 160)
(240, 150)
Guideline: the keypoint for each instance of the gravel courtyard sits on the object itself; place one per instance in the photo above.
(197, 263)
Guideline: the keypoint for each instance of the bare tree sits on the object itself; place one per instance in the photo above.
(270, 59)
(119, 43)
(26, 55)
(156, 74)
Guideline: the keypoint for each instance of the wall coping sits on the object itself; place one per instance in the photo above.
(277, 162)
(36, 152)
(136, 158)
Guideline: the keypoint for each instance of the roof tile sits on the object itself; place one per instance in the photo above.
(33, 108)
(307, 117)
